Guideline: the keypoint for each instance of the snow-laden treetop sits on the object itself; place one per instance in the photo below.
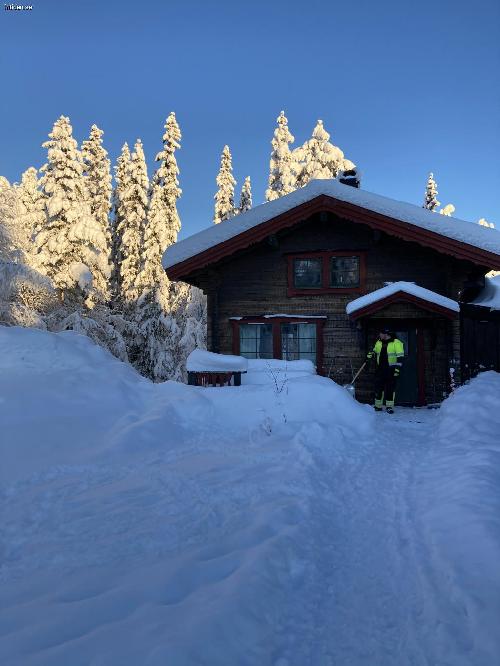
(450, 227)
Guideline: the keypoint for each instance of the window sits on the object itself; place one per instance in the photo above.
(307, 273)
(256, 340)
(344, 271)
(287, 337)
(298, 341)
(326, 272)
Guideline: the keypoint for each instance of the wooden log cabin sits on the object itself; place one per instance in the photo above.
(318, 272)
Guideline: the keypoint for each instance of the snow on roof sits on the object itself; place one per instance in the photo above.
(451, 227)
(490, 295)
(409, 288)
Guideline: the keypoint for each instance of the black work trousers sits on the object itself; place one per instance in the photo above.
(385, 386)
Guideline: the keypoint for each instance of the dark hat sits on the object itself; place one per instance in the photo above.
(386, 329)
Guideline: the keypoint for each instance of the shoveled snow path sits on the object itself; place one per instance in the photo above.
(379, 593)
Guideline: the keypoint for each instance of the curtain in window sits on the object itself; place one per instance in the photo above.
(298, 341)
(256, 340)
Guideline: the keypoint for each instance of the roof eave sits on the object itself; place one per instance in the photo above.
(403, 296)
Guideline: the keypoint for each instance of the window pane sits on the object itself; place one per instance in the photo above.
(247, 346)
(307, 273)
(256, 340)
(307, 346)
(344, 272)
(306, 330)
(298, 341)
(248, 331)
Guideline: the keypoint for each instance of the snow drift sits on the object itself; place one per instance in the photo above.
(153, 523)
(278, 523)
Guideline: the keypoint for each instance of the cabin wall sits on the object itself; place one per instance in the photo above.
(254, 282)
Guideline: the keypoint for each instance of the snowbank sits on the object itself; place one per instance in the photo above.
(461, 509)
(200, 360)
(150, 523)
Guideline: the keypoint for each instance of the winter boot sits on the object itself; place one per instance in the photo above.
(378, 409)
(389, 410)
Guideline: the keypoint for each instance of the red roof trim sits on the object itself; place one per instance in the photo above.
(323, 202)
(403, 296)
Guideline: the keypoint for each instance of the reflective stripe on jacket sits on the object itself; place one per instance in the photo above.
(395, 351)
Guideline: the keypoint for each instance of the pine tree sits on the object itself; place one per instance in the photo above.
(70, 243)
(8, 210)
(31, 209)
(98, 181)
(163, 223)
(246, 196)
(318, 158)
(484, 223)
(447, 210)
(224, 198)
(158, 331)
(431, 192)
(132, 212)
(282, 177)
(167, 327)
(122, 180)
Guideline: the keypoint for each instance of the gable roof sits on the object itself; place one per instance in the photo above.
(402, 291)
(464, 240)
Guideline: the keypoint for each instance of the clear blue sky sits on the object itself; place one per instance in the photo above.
(404, 87)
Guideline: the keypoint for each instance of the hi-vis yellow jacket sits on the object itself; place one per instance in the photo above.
(395, 352)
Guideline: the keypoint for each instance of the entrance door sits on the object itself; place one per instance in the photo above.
(407, 386)
(407, 392)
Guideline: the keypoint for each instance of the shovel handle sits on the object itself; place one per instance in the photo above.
(358, 373)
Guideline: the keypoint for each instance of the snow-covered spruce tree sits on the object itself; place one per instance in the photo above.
(8, 212)
(224, 197)
(318, 158)
(31, 215)
(430, 200)
(70, 242)
(282, 176)
(169, 315)
(447, 210)
(485, 223)
(158, 332)
(122, 180)
(245, 196)
(98, 181)
(162, 223)
(132, 213)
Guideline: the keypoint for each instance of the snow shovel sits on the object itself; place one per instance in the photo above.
(350, 387)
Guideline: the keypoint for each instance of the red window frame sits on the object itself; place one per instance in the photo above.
(325, 256)
(276, 327)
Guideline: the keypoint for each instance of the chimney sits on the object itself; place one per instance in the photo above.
(349, 177)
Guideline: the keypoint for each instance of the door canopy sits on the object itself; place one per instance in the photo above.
(397, 292)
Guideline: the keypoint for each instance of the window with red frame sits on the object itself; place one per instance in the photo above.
(284, 337)
(326, 272)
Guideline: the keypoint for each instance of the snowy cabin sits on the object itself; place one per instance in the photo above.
(316, 274)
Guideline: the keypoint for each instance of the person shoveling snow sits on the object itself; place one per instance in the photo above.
(389, 353)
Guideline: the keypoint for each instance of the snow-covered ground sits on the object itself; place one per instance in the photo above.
(272, 524)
